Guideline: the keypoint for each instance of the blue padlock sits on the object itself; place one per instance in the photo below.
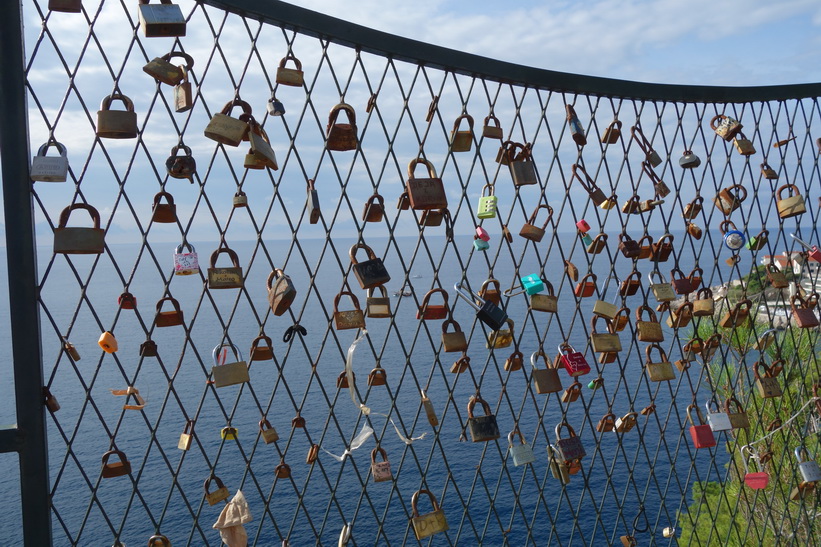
(532, 284)
(586, 239)
(480, 244)
(734, 239)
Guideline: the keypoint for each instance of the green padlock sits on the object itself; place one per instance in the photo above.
(487, 204)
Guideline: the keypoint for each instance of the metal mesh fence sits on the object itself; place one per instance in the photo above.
(584, 156)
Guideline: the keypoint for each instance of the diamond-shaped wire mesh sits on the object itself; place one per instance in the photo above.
(643, 477)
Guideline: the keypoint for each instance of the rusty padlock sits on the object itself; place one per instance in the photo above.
(227, 130)
(281, 293)
(461, 141)
(341, 136)
(164, 212)
(290, 76)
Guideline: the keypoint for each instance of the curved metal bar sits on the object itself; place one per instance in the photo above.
(380, 43)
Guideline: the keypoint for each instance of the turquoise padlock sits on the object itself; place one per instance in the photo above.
(532, 283)
(480, 245)
(586, 239)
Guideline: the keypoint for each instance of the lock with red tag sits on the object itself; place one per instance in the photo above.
(812, 250)
(573, 361)
(701, 434)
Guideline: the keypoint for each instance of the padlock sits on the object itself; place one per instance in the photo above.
(776, 277)
(626, 423)
(71, 350)
(532, 284)
(717, 420)
(610, 202)
(544, 380)
(802, 490)
(696, 277)
(603, 341)
(240, 199)
(521, 453)
(583, 226)
(658, 371)
(159, 540)
(349, 319)
(630, 284)
(482, 428)
(107, 342)
(569, 448)
(371, 272)
(290, 76)
(66, 6)
(378, 307)
(589, 185)
(50, 168)
(576, 129)
(491, 290)
(758, 242)
(632, 206)
(377, 376)
(262, 154)
(218, 495)
(342, 380)
(227, 130)
(341, 136)
(164, 212)
(50, 400)
(621, 319)
(662, 290)
(298, 421)
(515, 361)
(522, 167)
(704, 305)
(186, 436)
(628, 246)
(225, 278)
(738, 419)
(791, 206)
(586, 287)
(163, 71)
(183, 94)
(228, 374)
(680, 283)
(692, 209)
(607, 423)
(689, 160)
(767, 383)
(461, 141)
(115, 469)
(765, 340)
(812, 250)
(185, 263)
(612, 133)
(729, 199)
(487, 204)
(810, 471)
(598, 244)
(694, 230)
(501, 338)
(229, 433)
(711, 345)
(428, 312)
(681, 316)
(726, 128)
(572, 393)
(545, 302)
(453, 341)
(756, 480)
(481, 233)
(802, 313)
(168, 318)
(530, 230)
(127, 301)
(432, 217)
(507, 152)
(738, 316)
(280, 294)
(161, 20)
(275, 106)
(660, 189)
(558, 468)
(425, 193)
(744, 145)
(430, 523)
(662, 248)
(701, 433)
(649, 204)
(117, 124)
(181, 167)
(573, 361)
(492, 131)
(488, 313)
(628, 541)
(768, 172)
(374, 209)
(645, 247)
(381, 471)
(429, 410)
(650, 155)
(313, 454)
(148, 349)
(648, 331)
(313, 203)
(260, 352)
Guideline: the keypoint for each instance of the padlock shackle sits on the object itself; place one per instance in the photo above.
(231, 254)
(178, 249)
(570, 430)
(229, 106)
(106, 102)
(732, 399)
(692, 407)
(163, 194)
(276, 273)
(158, 537)
(412, 168)
(218, 347)
(185, 149)
(348, 109)
(476, 399)
(261, 338)
(512, 434)
(804, 243)
(649, 310)
(415, 500)
(290, 57)
(426, 299)
(588, 183)
(459, 119)
(189, 61)
(382, 290)
(450, 321)
(535, 355)
(166, 299)
(113, 452)
(801, 454)
(356, 247)
(649, 349)
(43, 150)
(95, 216)
(354, 299)
(381, 451)
(467, 297)
(565, 348)
(641, 140)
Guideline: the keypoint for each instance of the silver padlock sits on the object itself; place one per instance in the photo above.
(522, 452)
(810, 471)
(718, 420)
(49, 168)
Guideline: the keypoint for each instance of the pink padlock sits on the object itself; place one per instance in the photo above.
(583, 226)
(482, 233)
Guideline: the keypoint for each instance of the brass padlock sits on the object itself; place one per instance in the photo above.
(681, 316)
(378, 307)
(487, 204)
(462, 141)
(628, 541)
(502, 338)
(572, 393)
(115, 469)
(342, 380)
(630, 284)
(558, 468)
(181, 167)
(313, 454)
(658, 371)
(227, 130)
(71, 350)
(662, 290)
(704, 305)
(377, 376)
(164, 212)
(612, 133)
(218, 495)
(681, 284)
(482, 428)
(425, 193)
(768, 172)
(66, 6)
(492, 131)
(545, 380)
(313, 203)
(791, 206)
(50, 400)
(240, 199)
(607, 423)
(626, 423)
(692, 209)
(341, 136)
(650, 155)
(758, 242)
(349, 319)
(604, 341)
(729, 199)
(744, 145)
(430, 523)
(522, 167)
(453, 341)
(530, 230)
(183, 95)
(163, 71)
(228, 374)
(79, 240)
(261, 352)
(767, 383)
(589, 185)
(374, 209)
(515, 361)
(803, 313)
(545, 302)
(432, 217)
(648, 331)
(54, 168)
(168, 318)
(229, 433)
(159, 540)
(738, 316)
(726, 128)
(776, 277)
(598, 244)
(494, 293)
(576, 129)
(281, 293)
(381, 471)
(506, 153)
(225, 278)
(632, 206)
(610, 202)
(428, 312)
(621, 319)
(738, 419)
(117, 124)
(290, 76)
(186, 436)
(262, 154)
(161, 20)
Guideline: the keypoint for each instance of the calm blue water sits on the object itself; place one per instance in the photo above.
(302, 508)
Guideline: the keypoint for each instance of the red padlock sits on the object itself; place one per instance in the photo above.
(701, 434)
(757, 480)
(583, 226)
(482, 233)
(127, 301)
(573, 361)
(812, 250)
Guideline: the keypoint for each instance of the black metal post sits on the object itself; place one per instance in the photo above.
(24, 314)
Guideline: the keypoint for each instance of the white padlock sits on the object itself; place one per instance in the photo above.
(718, 420)
(186, 263)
